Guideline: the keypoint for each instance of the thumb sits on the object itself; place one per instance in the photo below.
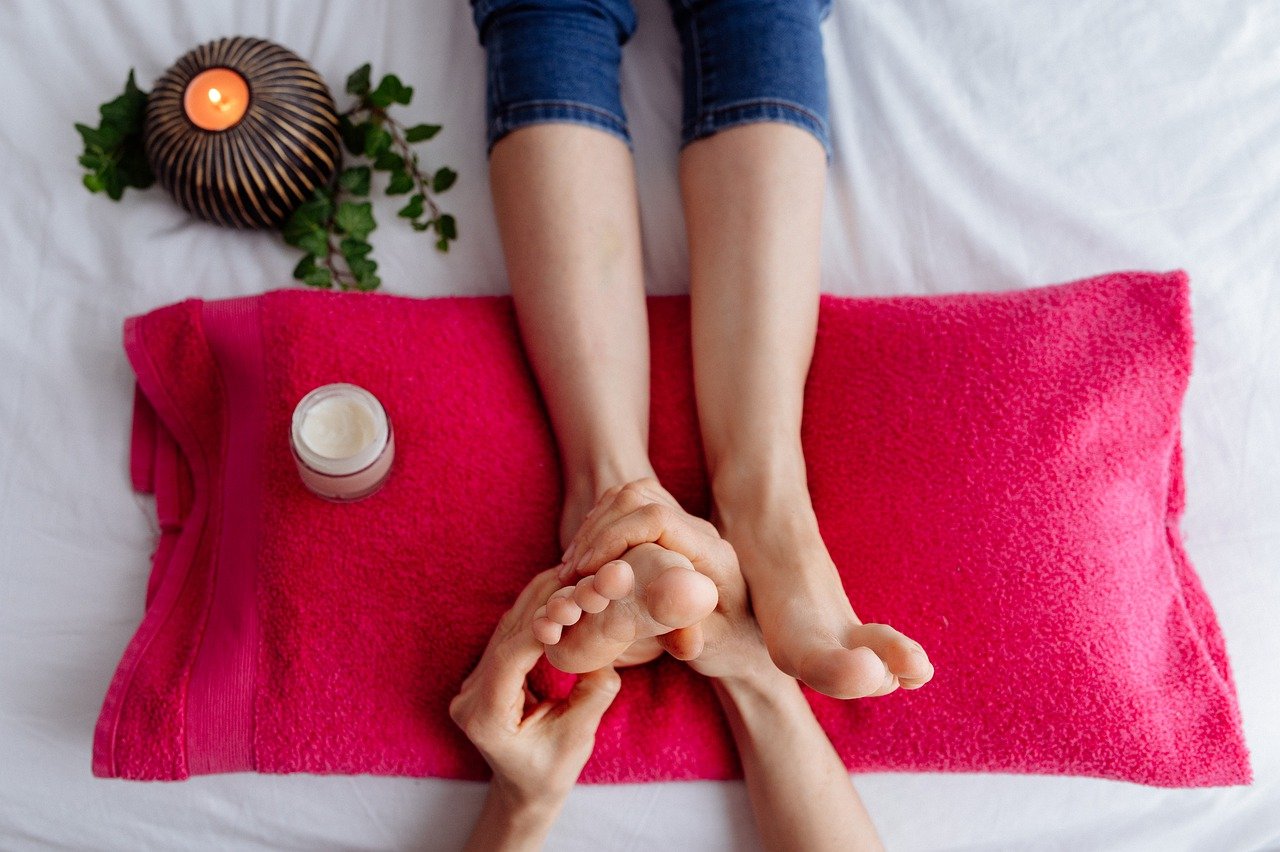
(590, 697)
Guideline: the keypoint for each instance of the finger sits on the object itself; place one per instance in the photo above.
(612, 505)
(652, 522)
(603, 502)
(618, 502)
(589, 698)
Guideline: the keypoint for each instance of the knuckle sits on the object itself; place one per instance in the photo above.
(656, 514)
(630, 499)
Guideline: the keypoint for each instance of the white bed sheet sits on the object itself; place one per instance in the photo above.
(979, 145)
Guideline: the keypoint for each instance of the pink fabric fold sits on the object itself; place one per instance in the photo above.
(998, 475)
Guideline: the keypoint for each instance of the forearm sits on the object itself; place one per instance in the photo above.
(507, 825)
(799, 788)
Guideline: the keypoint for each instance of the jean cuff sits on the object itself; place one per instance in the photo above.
(757, 110)
(519, 115)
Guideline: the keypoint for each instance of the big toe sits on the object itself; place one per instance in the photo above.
(904, 658)
(843, 672)
(680, 597)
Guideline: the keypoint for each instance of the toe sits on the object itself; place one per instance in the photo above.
(680, 597)
(843, 672)
(546, 631)
(586, 596)
(684, 643)
(563, 610)
(615, 580)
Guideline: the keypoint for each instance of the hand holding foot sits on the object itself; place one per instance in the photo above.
(808, 624)
(536, 748)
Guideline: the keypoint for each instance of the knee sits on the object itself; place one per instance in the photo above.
(753, 60)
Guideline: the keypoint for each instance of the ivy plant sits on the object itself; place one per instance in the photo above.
(333, 226)
(113, 153)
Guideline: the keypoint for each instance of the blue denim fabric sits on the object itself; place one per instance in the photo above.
(744, 61)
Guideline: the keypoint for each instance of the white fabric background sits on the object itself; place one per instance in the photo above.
(980, 145)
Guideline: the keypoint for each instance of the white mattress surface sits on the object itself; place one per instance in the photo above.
(979, 145)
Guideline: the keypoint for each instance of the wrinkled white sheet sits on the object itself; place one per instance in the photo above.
(979, 145)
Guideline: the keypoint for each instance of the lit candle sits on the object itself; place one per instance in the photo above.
(342, 442)
(216, 99)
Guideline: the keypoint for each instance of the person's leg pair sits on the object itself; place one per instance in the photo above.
(752, 172)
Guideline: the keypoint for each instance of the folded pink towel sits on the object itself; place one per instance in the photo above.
(997, 475)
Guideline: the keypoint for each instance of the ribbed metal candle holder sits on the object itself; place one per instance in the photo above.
(256, 172)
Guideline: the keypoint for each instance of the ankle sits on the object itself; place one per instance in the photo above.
(587, 482)
(759, 485)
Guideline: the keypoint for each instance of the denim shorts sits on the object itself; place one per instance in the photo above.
(744, 61)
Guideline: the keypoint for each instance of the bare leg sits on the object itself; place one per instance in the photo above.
(565, 199)
(753, 208)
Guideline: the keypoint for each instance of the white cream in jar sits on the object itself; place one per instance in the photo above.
(342, 442)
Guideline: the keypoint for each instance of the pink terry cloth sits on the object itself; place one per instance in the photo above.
(998, 475)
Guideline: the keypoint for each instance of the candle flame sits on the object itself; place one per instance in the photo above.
(215, 95)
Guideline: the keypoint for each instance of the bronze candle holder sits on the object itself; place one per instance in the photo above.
(240, 131)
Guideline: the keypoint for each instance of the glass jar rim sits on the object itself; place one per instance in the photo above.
(350, 464)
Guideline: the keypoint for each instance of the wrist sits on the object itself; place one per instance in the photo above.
(513, 821)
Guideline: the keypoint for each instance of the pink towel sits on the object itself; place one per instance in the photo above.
(997, 475)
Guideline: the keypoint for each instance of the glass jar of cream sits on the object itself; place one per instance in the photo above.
(342, 442)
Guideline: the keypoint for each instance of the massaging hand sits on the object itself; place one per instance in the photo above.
(536, 749)
(643, 511)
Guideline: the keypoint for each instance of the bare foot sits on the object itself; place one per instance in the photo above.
(809, 626)
(649, 592)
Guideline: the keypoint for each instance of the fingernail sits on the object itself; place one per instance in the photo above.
(582, 560)
(568, 554)
(563, 573)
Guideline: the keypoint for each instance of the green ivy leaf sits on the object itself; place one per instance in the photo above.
(442, 244)
(112, 182)
(362, 266)
(421, 132)
(317, 210)
(135, 168)
(413, 209)
(376, 141)
(355, 219)
(389, 161)
(358, 81)
(356, 180)
(305, 266)
(321, 276)
(443, 179)
(447, 227)
(421, 226)
(89, 135)
(353, 249)
(114, 152)
(400, 183)
(353, 134)
(307, 233)
(126, 112)
(390, 91)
